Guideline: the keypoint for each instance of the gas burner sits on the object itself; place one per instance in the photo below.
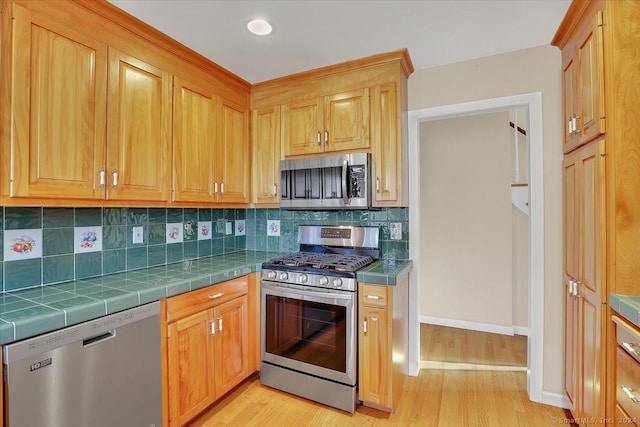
(322, 261)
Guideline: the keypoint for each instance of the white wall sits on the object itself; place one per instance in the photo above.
(526, 71)
(466, 219)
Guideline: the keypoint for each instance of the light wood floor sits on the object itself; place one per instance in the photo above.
(436, 397)
(444, 344)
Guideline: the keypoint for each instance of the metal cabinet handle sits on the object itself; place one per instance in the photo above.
(576, 288)
(115, 178)
(102, 178)
(215, 187)
(364, 326)
(574, 120)
(572, 287)
(218, 295)
(326, 136)
(318, 138)
(212, 322)
(629, 392)
(219, 323)
(570, 123)
(377, 184)
(221, 187)
(376, 297)
(630, 348)
(275, 189)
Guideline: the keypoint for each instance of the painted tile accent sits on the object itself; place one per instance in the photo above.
(204, 230)
(174, 233)
(273, 227)
(241, 227)
(87, 239)
(22, 244)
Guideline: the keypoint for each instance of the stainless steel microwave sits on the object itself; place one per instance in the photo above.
(334, 182)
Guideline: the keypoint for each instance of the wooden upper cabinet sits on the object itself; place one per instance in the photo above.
(139, 130)
(347, 121)
(387, 147)
(232, 156)
(337, 122)
(302, 124)
(591, 122)
(193, 142)
(266, 155)
(583, 85)
(59, 84)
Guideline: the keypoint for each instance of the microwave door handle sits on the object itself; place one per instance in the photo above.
(345, 170)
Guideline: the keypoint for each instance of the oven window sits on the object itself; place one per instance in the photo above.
(306, 331)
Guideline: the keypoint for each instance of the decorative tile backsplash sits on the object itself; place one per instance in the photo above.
(277, 229)
(54, 245)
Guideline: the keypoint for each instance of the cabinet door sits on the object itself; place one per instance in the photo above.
(231, 344)
(193, 138)
(138, 146)
(59, 84)
(191, 366)
(302, 126)
(386, 146)
(571, 333)
(374, 356)
(591, 81)
(232, 154)
(347, 121)
(266, 155)
(591, 261)
(570, 100)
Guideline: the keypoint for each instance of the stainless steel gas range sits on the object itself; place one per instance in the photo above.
(309, 314)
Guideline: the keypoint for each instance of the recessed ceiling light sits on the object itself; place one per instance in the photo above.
(260, 27)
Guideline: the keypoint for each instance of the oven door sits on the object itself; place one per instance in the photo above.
(309, 330)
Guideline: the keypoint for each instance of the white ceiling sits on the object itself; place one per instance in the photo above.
(311, 34)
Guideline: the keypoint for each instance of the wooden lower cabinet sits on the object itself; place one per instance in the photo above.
(208, 347)
(382, 344)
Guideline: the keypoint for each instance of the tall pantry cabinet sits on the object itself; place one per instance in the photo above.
(600, 43)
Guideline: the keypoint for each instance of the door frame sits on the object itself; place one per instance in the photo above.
(532, 102)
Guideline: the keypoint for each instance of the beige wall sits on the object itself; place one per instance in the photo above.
(466, 219)
(526, 71)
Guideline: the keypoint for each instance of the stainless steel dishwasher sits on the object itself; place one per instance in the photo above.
(102, 373)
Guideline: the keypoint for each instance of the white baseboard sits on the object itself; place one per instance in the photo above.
(475, 326)
(555, 399)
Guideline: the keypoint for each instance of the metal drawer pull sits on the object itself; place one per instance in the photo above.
(213, 326)
(218, 295)
(630, 348)
(629, 392)
(376, 297)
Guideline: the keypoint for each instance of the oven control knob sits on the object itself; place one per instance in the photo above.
(323, 281)
(283, 275)
(303, 278)
(271, 274)
(337, 283)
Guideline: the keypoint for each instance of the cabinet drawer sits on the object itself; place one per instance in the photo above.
(201, 299)
(627, 337)
(628, 383)
(374, 296)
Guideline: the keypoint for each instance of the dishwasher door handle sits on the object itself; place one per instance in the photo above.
(88, 342)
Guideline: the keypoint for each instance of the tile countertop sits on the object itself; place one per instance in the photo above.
(626, 306)
(30, 312)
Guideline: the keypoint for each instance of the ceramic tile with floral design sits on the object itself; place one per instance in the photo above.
(87, 239)
(204, 230)
(174, 232)
(22, 244)
(273, 227)
(241, 227)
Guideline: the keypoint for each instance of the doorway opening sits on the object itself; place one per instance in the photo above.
(532, 104)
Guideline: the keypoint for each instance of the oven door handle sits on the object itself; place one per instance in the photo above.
(306, 293)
